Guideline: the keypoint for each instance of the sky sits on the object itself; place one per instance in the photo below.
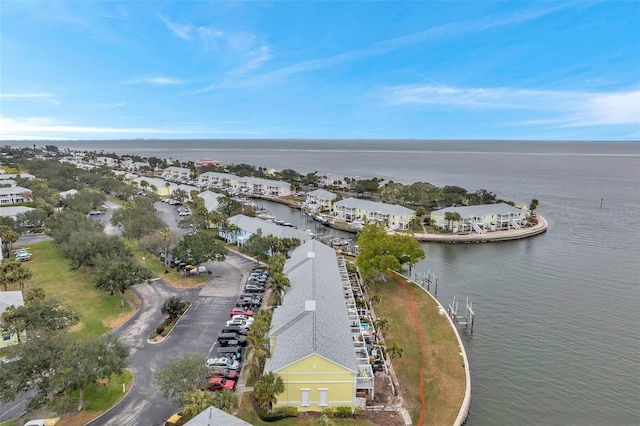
(541, 70)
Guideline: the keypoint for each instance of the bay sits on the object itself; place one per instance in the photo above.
(556, 338)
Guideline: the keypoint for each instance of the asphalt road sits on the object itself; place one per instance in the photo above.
(195, 333)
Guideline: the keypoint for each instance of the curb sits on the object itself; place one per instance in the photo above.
(463, 412)
(172, 328)
(118, 403)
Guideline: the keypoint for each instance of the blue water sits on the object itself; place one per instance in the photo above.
(556, 338)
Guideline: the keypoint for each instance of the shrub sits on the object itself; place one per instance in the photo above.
(344, 412)
(167, 321)
(328, 411)
(160, 329)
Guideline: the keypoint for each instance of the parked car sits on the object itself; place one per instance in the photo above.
(238, 329)
(232, 352)
(250, 288)
(237, 321)
(222, 372)
(247, 318)
(198, 270)
(223, 362)
(174, 420)
(220, 383)
(231, 339)
(240, 311)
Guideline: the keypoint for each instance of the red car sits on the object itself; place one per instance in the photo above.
(219, 384)
(240, 311)
(227, 373)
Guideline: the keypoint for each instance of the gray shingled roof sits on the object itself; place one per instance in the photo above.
(373, 206)
(252, 224)
(480, 210)
(211, 199)
(323, 331)
(323, 194)
(8, 298)
(215, 417)
(13, 190)
(12, 211)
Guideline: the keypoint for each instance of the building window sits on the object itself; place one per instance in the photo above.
(304, 397)
(324, 397)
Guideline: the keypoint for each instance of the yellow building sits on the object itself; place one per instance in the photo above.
(312, 347)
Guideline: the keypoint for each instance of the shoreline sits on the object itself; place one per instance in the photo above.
(493, 236)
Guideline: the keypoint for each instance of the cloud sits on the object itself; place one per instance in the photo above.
(45, 96)
(566, 108)
(182, 31)
(48, 128)
(384, 46)
(160, 81)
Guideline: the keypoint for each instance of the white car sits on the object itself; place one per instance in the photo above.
(223, 361)
(247, 318)
(237, 321)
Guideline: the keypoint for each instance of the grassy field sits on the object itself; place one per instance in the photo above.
(431, 360)
(99, 312)
(174, 278)
(99, 399)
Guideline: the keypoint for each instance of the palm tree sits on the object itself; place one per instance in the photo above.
(395, 351)
(166, 235)
(13, 272)
(195, 402)
(374, 298)
(35, 293)
(268, 387)
(276, 263)
(381, 324)
(226, 400)
(279, 282)
(232, 229)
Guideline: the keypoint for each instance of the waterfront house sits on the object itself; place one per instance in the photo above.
(311, 341)
(205, 162)
(217, 180)
(8, 299)
(481, 218)
(14, 194)
(257, 186)
(245, 227)
(319, 200)
(393, 216)
(176, 174)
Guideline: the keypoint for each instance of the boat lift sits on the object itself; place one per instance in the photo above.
(464, 321)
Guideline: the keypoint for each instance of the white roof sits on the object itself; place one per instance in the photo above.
(373, 206)
(313, 316)
(213, 416)
(211, 199)
(178, 170)
(13, 190)
(322, 194)
(480, 210)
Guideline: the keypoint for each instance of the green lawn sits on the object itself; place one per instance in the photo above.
(75, 289)
(441, 376)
